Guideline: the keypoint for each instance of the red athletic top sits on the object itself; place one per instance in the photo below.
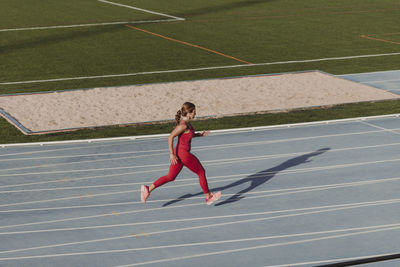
(185, 140)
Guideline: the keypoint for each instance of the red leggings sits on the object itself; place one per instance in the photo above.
(185, 158)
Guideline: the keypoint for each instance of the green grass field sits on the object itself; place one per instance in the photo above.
(41, 51)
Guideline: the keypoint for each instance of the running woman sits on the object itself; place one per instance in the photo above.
(180, 155)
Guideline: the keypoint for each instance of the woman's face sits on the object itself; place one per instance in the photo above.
(191, 115)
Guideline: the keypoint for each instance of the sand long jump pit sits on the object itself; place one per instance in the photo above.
(41, 113)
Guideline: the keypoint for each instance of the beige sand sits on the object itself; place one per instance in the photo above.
(158, 102)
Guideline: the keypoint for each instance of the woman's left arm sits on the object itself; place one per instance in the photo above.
(204, 133)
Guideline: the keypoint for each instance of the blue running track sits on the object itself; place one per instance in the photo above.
(294, 195)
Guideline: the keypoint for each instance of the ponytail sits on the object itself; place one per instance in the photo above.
(178, 116)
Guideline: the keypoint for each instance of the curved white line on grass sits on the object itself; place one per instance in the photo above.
(377, 203)
(375, 227)
(199, 69)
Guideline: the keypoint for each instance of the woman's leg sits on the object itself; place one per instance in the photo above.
(174, 170)
(193, 164)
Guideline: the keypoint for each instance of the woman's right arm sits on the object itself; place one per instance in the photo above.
(177, 131)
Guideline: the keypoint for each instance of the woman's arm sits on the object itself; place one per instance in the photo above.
(204, 133)
(177, 131)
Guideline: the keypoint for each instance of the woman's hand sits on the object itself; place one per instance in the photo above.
(173, 159)
(204, 133)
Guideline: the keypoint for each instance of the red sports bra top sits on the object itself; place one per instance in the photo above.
(185, 140)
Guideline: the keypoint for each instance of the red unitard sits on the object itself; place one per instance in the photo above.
(185, 158)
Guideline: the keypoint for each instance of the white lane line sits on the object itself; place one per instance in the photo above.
(196, 149)
(198, 69)
(212, 180)
(172, 207)
(208, 243)
(379, 81)
(45, 150)
(141, 9)
(267, 193)
(175, 186)
(259, 247)
(138, 140)
(145, 152)
(363, 205)
(128, 173)
(379, 127)
(86, 25)
(275, 192)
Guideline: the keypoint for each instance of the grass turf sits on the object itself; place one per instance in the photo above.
(257, 31)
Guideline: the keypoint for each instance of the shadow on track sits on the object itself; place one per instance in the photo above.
(257, 179)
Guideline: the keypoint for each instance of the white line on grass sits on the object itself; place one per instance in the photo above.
(197, 69)
(141, 9)
(85, 25)
(209, 243)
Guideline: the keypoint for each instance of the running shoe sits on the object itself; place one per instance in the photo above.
(213, 197)
(144, 193)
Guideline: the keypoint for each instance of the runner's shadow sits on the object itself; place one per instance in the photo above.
(257, 179)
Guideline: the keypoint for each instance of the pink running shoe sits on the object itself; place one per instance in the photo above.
(144, 193)
(213, 197)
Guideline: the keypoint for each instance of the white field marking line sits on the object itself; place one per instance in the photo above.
(198, 69)
(270, 157)
(141, 9)
(280, 192)
(204, 147)
(200, 227)
(276, 192)
(209, 243)
(333, 260)
(86, 25)
(379, 127)
(175, 186)
(258, 247)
